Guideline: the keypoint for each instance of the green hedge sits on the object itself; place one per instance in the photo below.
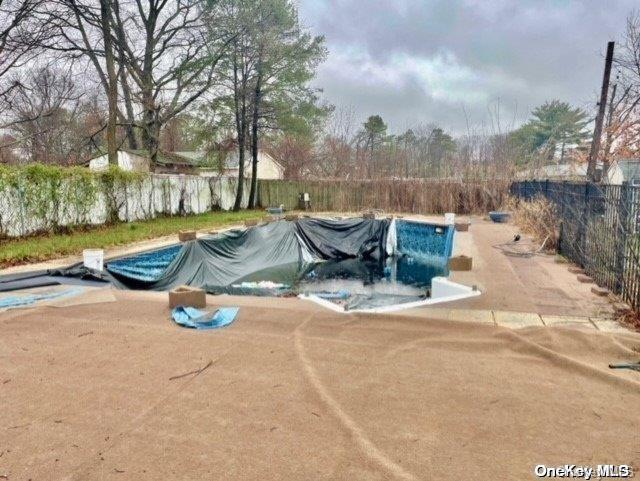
(49, 194)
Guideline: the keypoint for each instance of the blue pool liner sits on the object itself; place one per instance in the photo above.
(145, 267)
(425, 241)
(196, 319)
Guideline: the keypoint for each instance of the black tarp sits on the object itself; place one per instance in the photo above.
(330, 239)
(231, 257)
(73, 275)
(278, 251)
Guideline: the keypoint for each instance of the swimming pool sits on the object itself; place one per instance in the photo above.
(352, 264)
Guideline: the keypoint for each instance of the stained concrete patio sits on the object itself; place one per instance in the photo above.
(103, 385)
(509, 283)
(111, 389)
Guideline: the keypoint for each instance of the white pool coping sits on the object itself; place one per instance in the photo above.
(450, 291)
(442, 289)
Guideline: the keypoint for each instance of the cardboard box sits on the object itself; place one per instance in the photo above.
(460, 263)
(186, 235)
(462, 226)
(187, 296)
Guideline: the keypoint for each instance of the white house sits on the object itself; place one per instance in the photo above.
(127, 160)
(268, 167)
(623, 170)
(569, 171)
(190, 162)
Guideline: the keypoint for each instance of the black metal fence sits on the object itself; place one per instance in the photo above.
(599, 230)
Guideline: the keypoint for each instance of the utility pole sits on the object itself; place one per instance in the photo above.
(602, 106)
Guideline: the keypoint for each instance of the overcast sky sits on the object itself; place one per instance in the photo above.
(431, 60)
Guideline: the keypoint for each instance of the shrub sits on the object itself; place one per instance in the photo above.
(48, 197)
(114, 183)
(537, 217)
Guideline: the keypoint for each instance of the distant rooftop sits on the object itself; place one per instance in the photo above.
(192, 158)
(630, 168)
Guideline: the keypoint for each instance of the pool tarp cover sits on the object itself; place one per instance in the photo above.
(329, 239)
(222, 260)
(282, 248)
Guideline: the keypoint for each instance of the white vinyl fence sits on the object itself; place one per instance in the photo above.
(153, 196)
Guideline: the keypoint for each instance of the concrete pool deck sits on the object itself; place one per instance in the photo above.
(532, 286)
(512, 282)
(103, 385)
(114, 390)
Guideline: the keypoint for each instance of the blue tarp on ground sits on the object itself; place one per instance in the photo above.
(196, 319)
(30, 299)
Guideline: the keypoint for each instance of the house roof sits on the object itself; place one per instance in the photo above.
(231, 161)
(555, 171)
(162, 157)
(189, 158)
(191, 155)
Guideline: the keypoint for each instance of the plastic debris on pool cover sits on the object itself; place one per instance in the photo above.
(333, 295)
(261, 285)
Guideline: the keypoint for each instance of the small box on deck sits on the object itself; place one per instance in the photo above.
(462, 226)
(186, 235)
(187, 296)
(460, 263)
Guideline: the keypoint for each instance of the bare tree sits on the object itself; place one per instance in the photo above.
(173, 60)
(112, 81)
(165, 56)
(622, 129)
(41, 114)
(22, 31)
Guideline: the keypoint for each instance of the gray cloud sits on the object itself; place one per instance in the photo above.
(427, 60)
